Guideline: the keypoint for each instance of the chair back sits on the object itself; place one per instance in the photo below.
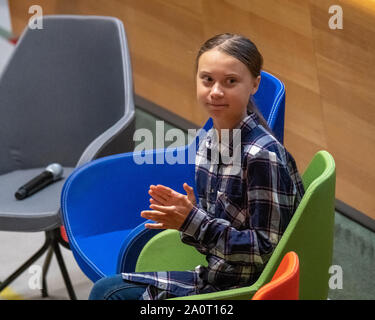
(310, 231)
(285, 282)
(63, 89)
(270, 100)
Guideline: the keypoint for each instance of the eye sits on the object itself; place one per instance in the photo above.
(207, 80)
(232, 80)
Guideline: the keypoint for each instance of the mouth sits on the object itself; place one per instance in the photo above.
(217, 106)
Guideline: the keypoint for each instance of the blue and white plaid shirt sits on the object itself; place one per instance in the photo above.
(241, 214)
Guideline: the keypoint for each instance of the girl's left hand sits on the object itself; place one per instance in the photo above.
(170, 208)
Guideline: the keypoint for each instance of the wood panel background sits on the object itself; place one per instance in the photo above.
(329, 74)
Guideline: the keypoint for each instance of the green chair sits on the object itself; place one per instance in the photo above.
(309, 234)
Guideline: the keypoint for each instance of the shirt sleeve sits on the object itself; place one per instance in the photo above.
(187, 239)
(270, 193)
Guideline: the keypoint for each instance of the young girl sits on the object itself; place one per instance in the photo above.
(241, 214)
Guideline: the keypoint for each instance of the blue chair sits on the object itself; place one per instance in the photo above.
(102, 200)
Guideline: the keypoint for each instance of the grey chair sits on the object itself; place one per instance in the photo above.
(66, 96)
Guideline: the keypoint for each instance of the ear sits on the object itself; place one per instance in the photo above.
(255, 85)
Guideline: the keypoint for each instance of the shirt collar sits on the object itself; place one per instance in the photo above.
(249, 122)
(246, 125)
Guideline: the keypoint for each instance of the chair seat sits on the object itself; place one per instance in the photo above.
(108, 244)
(39, 212)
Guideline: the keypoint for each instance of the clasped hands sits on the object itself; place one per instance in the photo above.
(170, 208)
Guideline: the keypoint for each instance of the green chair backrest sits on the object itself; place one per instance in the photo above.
(309, 234)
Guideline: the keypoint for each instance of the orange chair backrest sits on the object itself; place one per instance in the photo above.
(64, 236)
(285, 282)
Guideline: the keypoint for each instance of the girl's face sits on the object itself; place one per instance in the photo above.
(224, 86)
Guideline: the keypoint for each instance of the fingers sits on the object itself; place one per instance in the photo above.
(160, 193)
(158, 213)
(188, 189)
(160, 218)
(159, 198)
(163, 209)
(164, 191)
(190, 193)
(164, 188)
(153, 215)
(165, 195)
(155, 226)
(153, 201)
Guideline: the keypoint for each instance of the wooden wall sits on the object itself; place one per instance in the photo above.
(329, 74)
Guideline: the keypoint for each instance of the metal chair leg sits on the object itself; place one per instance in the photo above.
(46, 265)
(64, 272)
(51, 243)
(27, 264)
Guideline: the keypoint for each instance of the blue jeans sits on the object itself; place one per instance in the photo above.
(115, 288)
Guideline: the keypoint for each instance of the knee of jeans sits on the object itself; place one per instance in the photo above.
(101, 287)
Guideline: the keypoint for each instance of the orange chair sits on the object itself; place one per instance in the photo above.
(285, 282)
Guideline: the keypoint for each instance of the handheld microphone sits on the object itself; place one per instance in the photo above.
(51, 174)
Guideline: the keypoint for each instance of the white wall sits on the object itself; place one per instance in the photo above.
(5, 16)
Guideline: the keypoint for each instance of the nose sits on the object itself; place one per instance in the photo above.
(216, 92)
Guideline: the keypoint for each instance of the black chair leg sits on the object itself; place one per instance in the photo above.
(46, 265)
(27, 264)
(51, 243)
(64, 272)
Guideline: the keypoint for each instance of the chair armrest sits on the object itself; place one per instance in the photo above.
(124, 127)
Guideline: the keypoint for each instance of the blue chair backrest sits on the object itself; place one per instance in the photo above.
(270, 100)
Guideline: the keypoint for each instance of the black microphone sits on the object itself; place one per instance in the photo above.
(52, 173)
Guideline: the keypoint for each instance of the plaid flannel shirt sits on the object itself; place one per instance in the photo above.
(241, 214)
